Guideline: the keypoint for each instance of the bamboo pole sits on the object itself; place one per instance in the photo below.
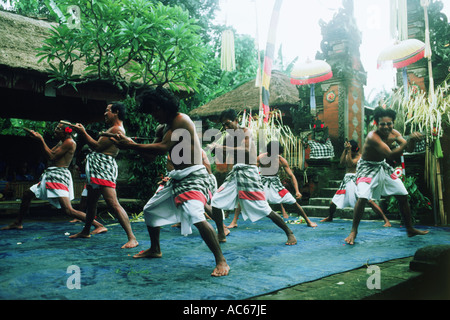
(432, 177)
(439, 193)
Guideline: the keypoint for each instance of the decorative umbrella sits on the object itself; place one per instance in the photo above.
(402, 54)
(311, 72)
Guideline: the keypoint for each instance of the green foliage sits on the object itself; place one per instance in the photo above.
(14, 127)
(302, 119)
(439, 40)
(144, 174)
(213, 81)
(125, 41)
(31, 8)
(417, 201)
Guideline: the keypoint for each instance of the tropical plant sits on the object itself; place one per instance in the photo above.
(14, 127)
(124, 42)
(31, 8)
(274, 130)
(417, 201)
(425, 111)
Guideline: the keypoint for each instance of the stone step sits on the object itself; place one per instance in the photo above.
(325, 201)
(318, 201)
(346, 213)
(334, 183)
(327, 192)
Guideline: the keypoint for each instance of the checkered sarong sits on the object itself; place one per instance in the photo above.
(196, 185)
(275, 191)
(182, 199)
(272, 181)
(243, 185)
(367, 170)
(101, 170)
(321, 150)
(345, 196)
(247, 178)
(57, 178)
(377, 179)
(343, 186)
(54, 183)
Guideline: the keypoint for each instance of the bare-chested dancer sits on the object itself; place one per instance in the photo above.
(375, 177)
(55, 184)
(101, 174)
(345, 196)
(274, 190)
(184, 196)
(243, 183)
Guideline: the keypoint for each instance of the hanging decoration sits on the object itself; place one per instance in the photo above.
(268, 60)
(427, 52)
(227, 61)
(311, 72)
(399, 19)
(258, 57)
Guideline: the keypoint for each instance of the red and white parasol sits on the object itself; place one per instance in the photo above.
(311, 72)
(402, 54)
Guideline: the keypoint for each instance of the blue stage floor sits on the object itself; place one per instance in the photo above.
(34, 261)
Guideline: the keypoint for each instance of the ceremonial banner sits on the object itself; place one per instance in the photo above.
(268, 59)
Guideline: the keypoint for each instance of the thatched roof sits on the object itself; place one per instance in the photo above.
(247, 97)
(20, 37)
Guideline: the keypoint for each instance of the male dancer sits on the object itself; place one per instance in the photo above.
(345, 196)
(101, 174)
(274, 190)
(243, 183)
(55, 183)
(375, 178)
(184, 196)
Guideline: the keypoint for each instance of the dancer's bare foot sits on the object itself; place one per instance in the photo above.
(327, 219)
(291, 240)
(98, 230)
(13, 225)
(414, 232)
(311, 224)
(223, 238)
(221, 270)
(75, 220)
(80, 235)
(147, 254)
(285, 215)
(387, 224)
(351, 238)
(232, 225)
(130, 244)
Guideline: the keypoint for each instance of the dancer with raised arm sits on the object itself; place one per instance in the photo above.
(55, 183)
(375, 178)
(101, 174)
(184, 196)
(242, 185)
(345, 196)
